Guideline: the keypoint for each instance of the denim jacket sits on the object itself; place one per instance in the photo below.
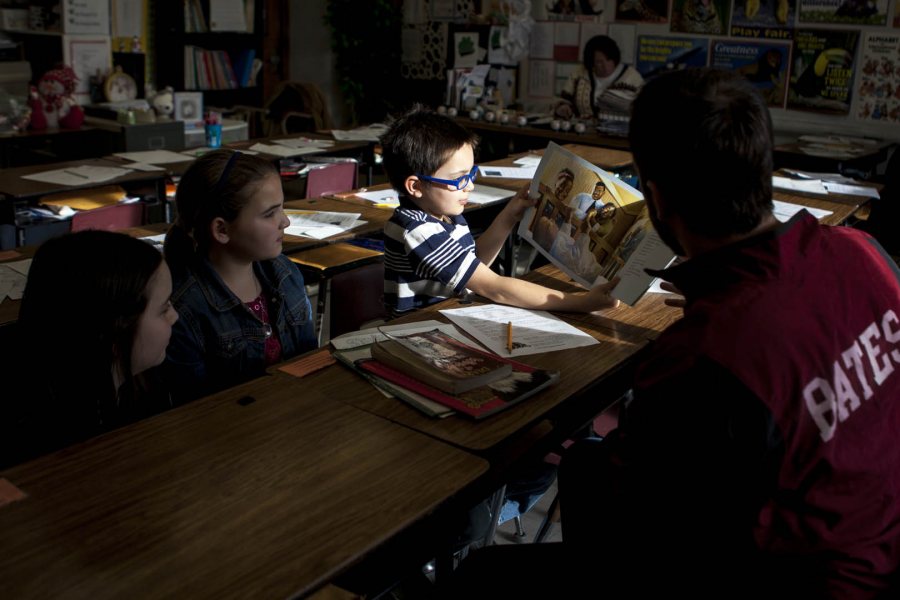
(217, 342)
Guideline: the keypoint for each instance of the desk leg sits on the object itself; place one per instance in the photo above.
(321, 306)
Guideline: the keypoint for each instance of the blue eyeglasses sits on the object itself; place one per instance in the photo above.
(460, 183)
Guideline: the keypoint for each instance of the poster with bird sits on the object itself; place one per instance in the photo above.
(764, 64)
(822, 70)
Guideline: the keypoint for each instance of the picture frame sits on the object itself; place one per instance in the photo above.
(188, 107)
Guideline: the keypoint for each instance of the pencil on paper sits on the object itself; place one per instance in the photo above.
(76, 174)
(509, 336)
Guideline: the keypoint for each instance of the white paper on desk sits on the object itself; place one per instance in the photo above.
(303, 142)
(534, 331)
(76, 176)
(321, 218)
(153, 157)
(388, 196)
(836, 177)
(144, 167)
(278, 150)
(19, 266)
(812, 186)
(851, 190)
(371, 133)
(531, 160)
(322, 232)
(508, 172)
(12, 279)
(783, 211)
(485, 194)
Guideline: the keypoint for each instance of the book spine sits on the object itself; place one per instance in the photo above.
(418, 387)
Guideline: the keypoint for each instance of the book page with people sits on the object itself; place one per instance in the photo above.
(592, 225)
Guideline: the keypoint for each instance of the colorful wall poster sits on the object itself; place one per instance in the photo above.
(645, 11)
(765, 19)
(660, 53)
(822, 71)
(701, 16)
(764, 64)
(849, 12)
(878, 87)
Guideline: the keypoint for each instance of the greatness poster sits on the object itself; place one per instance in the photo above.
(822, 72)
(846, 12)
(763, 19)
(659, 53)
(878, 88)
(765, 65)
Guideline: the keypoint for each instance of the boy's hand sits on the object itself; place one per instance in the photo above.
(519, 203)
(598, 298)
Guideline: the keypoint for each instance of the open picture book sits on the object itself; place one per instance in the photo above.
(592, 225)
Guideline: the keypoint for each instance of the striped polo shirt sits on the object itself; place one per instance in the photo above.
(425, 259)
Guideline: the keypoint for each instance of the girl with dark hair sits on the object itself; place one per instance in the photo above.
(243, 305)
(95, 316)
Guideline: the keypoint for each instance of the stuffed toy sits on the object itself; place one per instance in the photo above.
(56, 90)
(38, 120)
(163, 102)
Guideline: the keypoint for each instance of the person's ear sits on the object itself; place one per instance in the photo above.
(413, 186)
(655, 199)
(219, 231)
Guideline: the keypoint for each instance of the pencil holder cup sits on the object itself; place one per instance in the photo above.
(442, 110)
(489, 116)
(579, 128)
(522, 120)
(503, 118)
(555, 124)
(565, 125)
(451, 112)
(214, 136)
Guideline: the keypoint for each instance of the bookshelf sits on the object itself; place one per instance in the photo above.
(202, 46)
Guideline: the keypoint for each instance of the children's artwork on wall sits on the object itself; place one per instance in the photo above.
(764, 64)
(701, 16)
(465, 49)
(763, 19)
(847, 12)
(645, 11)
(497, 53)
(878, 87)
(657, 54)
(822, 72)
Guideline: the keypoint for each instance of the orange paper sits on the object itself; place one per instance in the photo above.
(308, 364)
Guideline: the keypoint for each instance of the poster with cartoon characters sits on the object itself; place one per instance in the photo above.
(765, 65)
(763, 19)
(878, 88)
(644, 11)
(847, 12)
(822, 70)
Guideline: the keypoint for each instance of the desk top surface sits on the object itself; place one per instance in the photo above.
(221, 498)
(589, 138)
(13, 185)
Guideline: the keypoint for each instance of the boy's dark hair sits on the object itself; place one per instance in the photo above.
(218, 184)
(419, 142)
(704, 137)
(600, 43)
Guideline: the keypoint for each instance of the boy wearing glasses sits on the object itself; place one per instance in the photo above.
(429, 252)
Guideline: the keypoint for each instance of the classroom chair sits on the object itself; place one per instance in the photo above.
(110, 218)
(334, 177)
(357, 299)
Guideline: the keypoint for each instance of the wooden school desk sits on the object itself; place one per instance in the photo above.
(267, 490)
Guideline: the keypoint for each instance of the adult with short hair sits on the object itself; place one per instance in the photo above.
(601, 84)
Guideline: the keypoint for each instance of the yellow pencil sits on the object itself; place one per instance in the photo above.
(509, 336)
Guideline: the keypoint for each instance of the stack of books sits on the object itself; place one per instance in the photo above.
(439, 374)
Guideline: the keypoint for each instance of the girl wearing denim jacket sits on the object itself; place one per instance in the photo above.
(242, 304)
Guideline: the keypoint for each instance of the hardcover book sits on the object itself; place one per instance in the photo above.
(440, 361)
